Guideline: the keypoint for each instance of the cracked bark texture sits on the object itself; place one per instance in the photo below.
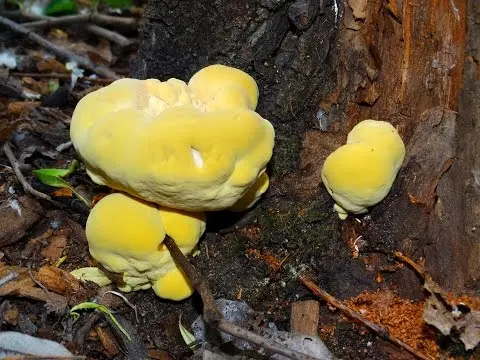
(323, 66)
(283, 44)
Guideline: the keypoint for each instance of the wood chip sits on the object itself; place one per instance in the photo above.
(304, 317)
(61, 282)
(108, 343)
(54, 250)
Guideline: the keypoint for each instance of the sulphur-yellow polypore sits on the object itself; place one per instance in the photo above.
(360, 173)
(198, 146)
(125, 235)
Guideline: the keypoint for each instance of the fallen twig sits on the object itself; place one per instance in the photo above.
(48, 21)
(379, 330)
(58, 50)
(60, 76)
(417, 268)
(34, 357)
(110, 35)
(43, 21)
(18, 173)
(212, 315)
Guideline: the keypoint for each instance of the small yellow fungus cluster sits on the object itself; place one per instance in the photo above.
(172, 150)
(360, 173)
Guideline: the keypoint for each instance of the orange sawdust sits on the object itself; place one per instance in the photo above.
(472, 303)
(251, 232)
(327, 331)
(402, 317)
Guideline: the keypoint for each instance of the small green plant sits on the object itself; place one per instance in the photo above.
(103, 309)
(60, 7)
(54, 177)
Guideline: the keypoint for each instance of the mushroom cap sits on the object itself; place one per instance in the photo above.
(125, 235)
(382, 134)
(194, 147)
(360, 173)
(173, 286)
(253, 194)
(222, 87)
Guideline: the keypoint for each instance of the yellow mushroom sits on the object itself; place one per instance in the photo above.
(125, 235)
(198, 146)
(361, 173)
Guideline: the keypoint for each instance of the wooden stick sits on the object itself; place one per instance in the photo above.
(60, 76)
(48, 21)
(58, 50)
(18, 173)
(44, 21)
(110, 35)
(212, 315)
(379, 330)
(417, 268)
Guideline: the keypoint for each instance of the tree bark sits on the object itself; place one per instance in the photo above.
(324, 65)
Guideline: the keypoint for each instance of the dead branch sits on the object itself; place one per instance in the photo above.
(58, 50)
(33, 357)
(48, 21)
(110, 35)
(18, 173)
(417, 268)
(45, 22)
(379, 330)
(60, 76)
(212, 315)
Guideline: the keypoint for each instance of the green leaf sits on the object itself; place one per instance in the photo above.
(53, 177)
(118, 4)
(53, 86)
(103, 309)
(47, 175)
(187, 336)
(58, 7)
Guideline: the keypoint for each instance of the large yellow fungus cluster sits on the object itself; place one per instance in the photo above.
(196, 146)
(173, 150)
(360, 173)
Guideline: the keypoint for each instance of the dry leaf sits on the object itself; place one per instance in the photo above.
(54, 250)
(61, 282)
(22, 107)
(51, 65)
(24, 286)
(62, 192)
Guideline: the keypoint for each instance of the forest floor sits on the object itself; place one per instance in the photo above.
(255, 257)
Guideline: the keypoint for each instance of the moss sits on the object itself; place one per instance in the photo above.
(285, 156)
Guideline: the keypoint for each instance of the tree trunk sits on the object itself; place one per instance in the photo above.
(322, 66)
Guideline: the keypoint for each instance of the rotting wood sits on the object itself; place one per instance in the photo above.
(379, 330)
(304, 317)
